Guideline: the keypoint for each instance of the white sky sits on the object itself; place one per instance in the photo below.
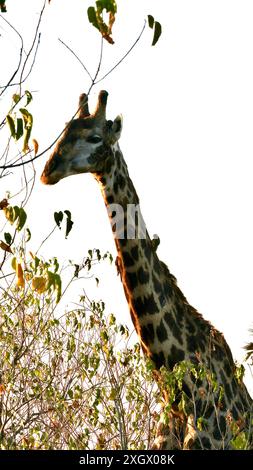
(187, 105)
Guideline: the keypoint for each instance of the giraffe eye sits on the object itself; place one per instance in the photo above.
(94, 139)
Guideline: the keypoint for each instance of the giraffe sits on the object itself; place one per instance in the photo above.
(169, 328)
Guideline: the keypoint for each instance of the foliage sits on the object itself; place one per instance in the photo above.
(201, 383)
(69, 379)
(21, 126)
(72, 380)
(95, 17)
(58, 217)
(156, 26)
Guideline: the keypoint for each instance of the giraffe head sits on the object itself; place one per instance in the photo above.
(86, 143)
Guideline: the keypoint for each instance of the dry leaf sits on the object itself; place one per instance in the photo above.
(5, 247)
(3, 204)
(35, 146)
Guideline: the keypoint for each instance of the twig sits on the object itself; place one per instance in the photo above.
(45, 239)
(76, 56)
(32, 64)
(20, 56)
(99, 64)
(124, 56)
(33, 43)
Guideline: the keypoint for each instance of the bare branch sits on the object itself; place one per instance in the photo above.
(20, 55)
(76, 56)
(124, 56)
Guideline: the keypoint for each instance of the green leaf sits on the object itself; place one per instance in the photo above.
(20, 129)
(70, 393)
(22, 219)
(95, 16)
(28, 235)
(56, 265)
(69, 223)
(240, 442)
(28, 97)
(157, 32)
(58, 217)
(11, 213)
(11, 125)
(8, 238)
(16, 98)
(108, 5)
(36, 262)
(26, 116)
(28, 123)
(92, 17)
(54, 280)
(151, 21)
(14, 263)
(68, 214)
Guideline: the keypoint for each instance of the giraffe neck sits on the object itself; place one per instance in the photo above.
(142, 274)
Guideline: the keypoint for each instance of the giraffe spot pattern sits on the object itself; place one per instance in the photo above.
(115, 187)
(167, 289)
(147, 333)
(131, 280)
(128, 260)
(147, 251)
(235, 413)
(227, 368)
(156, 265)
(143, 276)
(135, 253)
(145, 305)
(228, 392)
(172, 324)
(161, 332)
(158, 359)
(209, 411)
(192, 344)
(189, 326)
(157, 285)
(206, 443)
(121, 181)
(176, 355)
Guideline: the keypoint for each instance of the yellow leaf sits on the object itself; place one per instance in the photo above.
(39, 284)
(14, 263)
(20, 281)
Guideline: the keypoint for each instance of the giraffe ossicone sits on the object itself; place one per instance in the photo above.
(171, 331)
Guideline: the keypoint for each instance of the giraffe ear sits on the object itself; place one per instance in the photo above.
(117, 126)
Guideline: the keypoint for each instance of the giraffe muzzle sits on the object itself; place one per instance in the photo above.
(51, 174)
